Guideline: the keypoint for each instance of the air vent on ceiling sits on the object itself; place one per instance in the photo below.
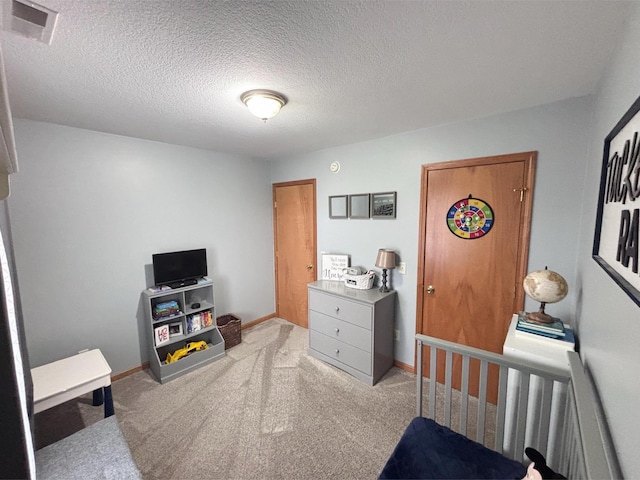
(29, 20)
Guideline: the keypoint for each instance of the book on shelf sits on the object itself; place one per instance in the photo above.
(549, 331)
(555, 328)
(207, 319)
(166, 309)
(567, 336)
(194, 323)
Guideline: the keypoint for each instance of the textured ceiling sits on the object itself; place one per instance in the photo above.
(173, 70)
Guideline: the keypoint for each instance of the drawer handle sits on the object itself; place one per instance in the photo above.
(337, 330)
(337, 351)
(337, 309)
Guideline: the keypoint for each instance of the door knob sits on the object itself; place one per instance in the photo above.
(309, 267)
(430, 289)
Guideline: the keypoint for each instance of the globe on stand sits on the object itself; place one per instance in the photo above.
(544, 286)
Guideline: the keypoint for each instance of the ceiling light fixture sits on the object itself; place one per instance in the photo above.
(264, 104)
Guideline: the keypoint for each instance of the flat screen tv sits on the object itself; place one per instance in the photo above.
(179, 268)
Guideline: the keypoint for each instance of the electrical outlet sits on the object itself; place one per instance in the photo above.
(402, 268)
(396, 334)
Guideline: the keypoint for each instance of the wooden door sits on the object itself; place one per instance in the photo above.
(470, 287)
(294, 219)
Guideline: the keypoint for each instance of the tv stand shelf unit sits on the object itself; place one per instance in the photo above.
(200, 297)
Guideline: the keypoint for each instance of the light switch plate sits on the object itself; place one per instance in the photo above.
(402, 268)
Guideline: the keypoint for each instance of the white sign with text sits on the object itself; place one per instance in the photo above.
(334, 265)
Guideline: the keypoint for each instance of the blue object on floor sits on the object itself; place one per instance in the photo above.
(430, 450)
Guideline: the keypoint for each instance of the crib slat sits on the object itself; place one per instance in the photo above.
(560, 410)
(464, 400)
(432, 382)
(419, 378)
(482, 401)
(447, 389)
(521, 414)
(545, 415)
(574, 456)
(501, 408)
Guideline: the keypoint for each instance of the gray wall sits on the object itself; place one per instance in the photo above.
(609, 325)
(89, 209)
(557, 131)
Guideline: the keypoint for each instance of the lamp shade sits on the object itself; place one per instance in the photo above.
(386, 258)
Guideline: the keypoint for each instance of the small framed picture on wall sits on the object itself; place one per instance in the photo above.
(383, 205)
(338, 206)
(359, 205)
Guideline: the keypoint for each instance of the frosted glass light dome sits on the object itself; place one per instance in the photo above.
(263, 104)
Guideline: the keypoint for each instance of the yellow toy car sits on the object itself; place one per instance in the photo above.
(186, 350)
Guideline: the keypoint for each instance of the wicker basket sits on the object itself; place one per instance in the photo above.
(361, 282)
(229, 326)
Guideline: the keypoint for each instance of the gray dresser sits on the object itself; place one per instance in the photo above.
(352, 329)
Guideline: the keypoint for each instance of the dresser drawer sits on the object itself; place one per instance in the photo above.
(343, 352)
(341, 308)
(343, 331)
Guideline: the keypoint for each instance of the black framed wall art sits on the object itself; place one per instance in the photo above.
(615, 245)
(383, 205)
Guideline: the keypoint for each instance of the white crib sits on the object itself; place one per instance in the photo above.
(585, 447)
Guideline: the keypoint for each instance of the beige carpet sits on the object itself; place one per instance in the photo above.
(265, 411)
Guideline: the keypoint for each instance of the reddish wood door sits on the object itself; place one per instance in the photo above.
(469, 288)
(294, 214)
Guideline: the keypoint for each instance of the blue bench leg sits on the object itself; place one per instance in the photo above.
(98, 400)
(108, 402)
(97, 397)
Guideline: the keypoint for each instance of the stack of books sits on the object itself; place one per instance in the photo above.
(166, 309)
(198, 321)
(552, 330)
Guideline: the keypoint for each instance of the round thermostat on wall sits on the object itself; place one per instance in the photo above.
(334, 167)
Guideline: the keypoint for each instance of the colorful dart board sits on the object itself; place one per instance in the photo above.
(470, 218)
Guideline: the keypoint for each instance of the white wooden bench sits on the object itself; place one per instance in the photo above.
(98, 451)
(63, 380)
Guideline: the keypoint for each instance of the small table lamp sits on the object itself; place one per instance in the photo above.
(386, 259)
(544, 286)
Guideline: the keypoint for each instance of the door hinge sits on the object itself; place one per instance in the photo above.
(521, 190)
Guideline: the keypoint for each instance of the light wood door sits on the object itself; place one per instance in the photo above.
(294, 214)
(469, 288)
